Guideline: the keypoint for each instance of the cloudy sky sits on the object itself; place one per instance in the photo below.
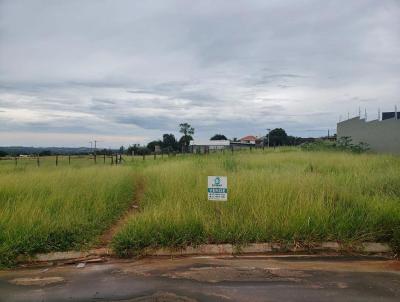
(125, 72)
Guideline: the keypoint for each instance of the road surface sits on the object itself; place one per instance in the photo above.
(209, 279)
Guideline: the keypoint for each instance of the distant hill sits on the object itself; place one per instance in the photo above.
(18, 150)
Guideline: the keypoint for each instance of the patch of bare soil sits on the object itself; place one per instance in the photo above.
(107, 236)
(39, 281)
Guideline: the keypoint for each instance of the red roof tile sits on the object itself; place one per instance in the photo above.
(248, 138)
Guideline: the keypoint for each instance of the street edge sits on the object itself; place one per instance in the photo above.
(365, 248)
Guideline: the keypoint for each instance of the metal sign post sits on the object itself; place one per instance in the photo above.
(218, 191)
(217, 188)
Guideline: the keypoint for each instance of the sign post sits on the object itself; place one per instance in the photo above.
(217, 188)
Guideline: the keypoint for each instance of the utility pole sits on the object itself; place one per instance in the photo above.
(95, 145)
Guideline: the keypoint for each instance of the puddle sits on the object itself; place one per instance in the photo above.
(214, 274)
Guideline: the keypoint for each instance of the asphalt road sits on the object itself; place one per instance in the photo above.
(208, 279)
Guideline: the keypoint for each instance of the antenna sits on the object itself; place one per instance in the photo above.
(359, 111)
(365, 113)
(379, 114)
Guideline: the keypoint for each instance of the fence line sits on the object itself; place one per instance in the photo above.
(117, 158)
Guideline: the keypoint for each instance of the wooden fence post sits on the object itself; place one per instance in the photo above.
(155, 156)
(112, 159)
(94, 158)
(69, 159)
(56, 160)
(38, 161)
(16, 161)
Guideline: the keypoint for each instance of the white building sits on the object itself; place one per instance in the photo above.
(203, 146)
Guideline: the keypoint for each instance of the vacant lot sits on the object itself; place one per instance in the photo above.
(285, 195)
(49, 209)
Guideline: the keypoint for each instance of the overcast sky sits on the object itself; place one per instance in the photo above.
(126, 72)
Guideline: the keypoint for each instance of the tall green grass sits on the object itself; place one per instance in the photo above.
(284, 196)
(276, 196)
(54, 209)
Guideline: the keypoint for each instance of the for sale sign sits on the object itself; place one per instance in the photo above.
(217, 188)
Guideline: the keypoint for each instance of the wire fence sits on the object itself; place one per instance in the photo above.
(112, 159)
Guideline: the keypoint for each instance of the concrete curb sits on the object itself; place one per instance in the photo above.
(273, 248)
(67, 256)
(366, 248)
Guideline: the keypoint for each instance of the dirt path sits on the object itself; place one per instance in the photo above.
(134, 207)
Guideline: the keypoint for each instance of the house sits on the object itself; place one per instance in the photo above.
(249, 139)
(205, 146)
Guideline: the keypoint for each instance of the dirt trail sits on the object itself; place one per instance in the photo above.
(134, 207)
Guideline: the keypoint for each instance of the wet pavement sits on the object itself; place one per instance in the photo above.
(209, 279)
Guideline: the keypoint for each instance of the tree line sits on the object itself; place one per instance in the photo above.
(168, 144)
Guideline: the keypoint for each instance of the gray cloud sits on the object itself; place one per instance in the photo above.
(139, 68)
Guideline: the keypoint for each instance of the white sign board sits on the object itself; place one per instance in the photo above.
(217, 188)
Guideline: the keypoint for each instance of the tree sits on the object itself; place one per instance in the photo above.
(217, 137)
(277, 137)
(142, 151)
(3, 153)
(45, 153)
(169, 143)
(151, 146)
(187, 130)
(184, 141)
(104, 151)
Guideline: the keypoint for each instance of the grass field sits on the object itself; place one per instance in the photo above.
(285, 195)
(51, 209)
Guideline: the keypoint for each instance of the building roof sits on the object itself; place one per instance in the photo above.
(210, 143)
(248, 138)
